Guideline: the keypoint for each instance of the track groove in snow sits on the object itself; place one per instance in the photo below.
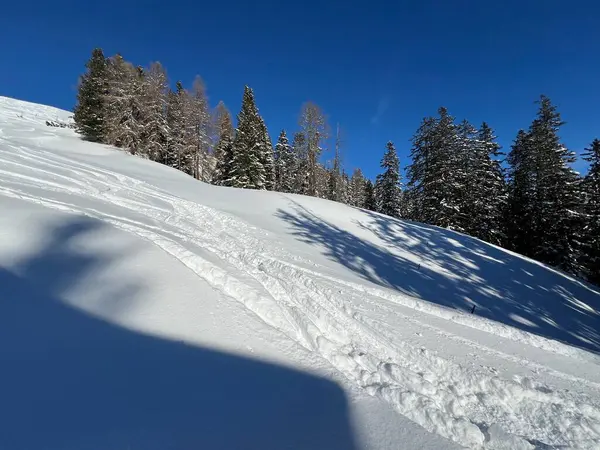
(340, 320)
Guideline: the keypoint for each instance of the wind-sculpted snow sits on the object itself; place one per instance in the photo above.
(386, 302)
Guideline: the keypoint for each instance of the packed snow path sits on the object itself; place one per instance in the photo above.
(385, 302)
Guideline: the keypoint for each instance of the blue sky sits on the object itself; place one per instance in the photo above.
(376, 67)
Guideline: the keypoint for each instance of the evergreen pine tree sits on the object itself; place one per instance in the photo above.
(370, 202)
(356, 189)
(521, 192)
(486, 189)
(285, 164)
(267, 157)
(335, 177)
(176, 156)
(438, 172)
(301, 172)
(198, 131)
(345, 188)
(93, 86)
(591, 209)
(224, 148)
(556, 192)
(247, 169)
(388, 188)
(543, 193)
(322, 180)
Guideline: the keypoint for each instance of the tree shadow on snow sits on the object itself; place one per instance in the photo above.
(72, 381)
(458, 271)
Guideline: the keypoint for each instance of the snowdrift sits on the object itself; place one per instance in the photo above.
(378, 306)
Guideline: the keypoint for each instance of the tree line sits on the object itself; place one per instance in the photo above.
(530, 201)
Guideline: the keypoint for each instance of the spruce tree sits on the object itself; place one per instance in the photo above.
(370, 202)
(91, 95)
(285, 164)
(357, 189)
(543, 194)
(591, 209)
(322, 180)
(301, 171)
(479, 183)
(224, 149)
(388, 188)
(487, 189)
(247, 169)
(556, 191)
(198, 131)
(176, 155)
(345, 188)
(521, 195)
(436, 188)
(267, 157)
(335, 186)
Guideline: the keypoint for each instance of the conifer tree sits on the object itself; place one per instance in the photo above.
(176, 156)
(335, 189)
(486, 188)
(544, 191)
(93, 86)
(267, 157)
(198, 131)
(224, 148)
(300, 152)
(370, 202)
(247, 169)
(285, 164)
(556, 191)
(591, 209)
(345, 188)
(521, 195)
(388, 188)
(357, 189)
(322, 180)
(437, 174)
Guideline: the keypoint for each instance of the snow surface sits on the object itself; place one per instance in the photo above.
(143, 309)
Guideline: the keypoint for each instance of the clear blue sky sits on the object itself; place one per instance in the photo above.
(376, 67)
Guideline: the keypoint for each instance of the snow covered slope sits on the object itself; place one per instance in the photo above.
(143, 309)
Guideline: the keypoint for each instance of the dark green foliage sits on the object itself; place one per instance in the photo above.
(485, 187)
(176, 155)
(247, 169)
(299, 148)
(388, 190)
(370, 202)
(224, 149)
(93, 86)
(544, 199)
(591, 210)
(285, 164)
(437, 175)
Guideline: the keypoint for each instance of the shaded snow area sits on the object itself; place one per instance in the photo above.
(141, 309)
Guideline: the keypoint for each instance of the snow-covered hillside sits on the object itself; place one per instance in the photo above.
(143, 309)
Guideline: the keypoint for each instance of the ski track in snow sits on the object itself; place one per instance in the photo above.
(469, 405)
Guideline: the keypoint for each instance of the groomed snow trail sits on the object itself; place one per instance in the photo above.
(374, 336)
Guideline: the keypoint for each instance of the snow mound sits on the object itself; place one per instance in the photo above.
(385, 302)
